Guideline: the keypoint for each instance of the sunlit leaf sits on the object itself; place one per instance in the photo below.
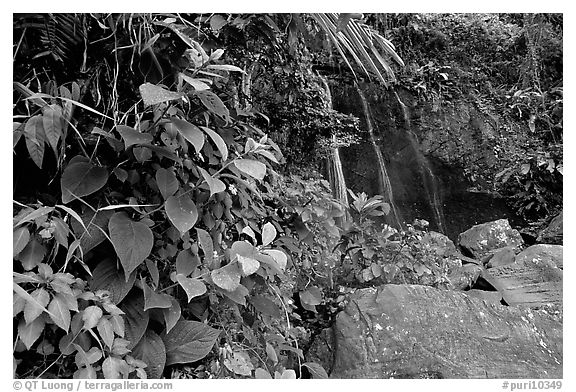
(251, 167)
(227, 277)
(152, 94)
(214, 104)
(268, 233)
(131, 136)
(182, 212)
(20, 239)
(190, 132)
(192, 286)
(218, 141)
(30, 332)
(59, 312)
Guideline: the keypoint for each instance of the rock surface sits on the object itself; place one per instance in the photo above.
(554, 233)
(483, 238)
(550, 255)
(534, 279)
(500, 257)
(409, 331)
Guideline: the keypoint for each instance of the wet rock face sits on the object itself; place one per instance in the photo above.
(481, 239)
(409, 331)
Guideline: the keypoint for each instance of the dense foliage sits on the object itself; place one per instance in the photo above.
(169, 219)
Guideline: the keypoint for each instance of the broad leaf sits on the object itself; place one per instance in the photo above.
(248, 265)
(34, 308)
(186, 262)
(279, 257)
(167, 182)
(152, 94)
(135, 318)
(227, 277)
(106, 331)
(224, 67)
(215, 185)
(214, 104)
(59, 312)
(218, 141)
(193, 287)
(316, 370)
(113, 367)
(172, 314)
(237, 295)
(268, 233)
(53, 124)
(197, 84)
(131, 136)
(20, 239)
(182, 212)
(32, 254)
(262, 374)
(81, 179)
(251, 167)
(107, 277)
(150, 349)
(35, 139)
(190, 132)
(153, 299)
(91, 316)
(83, 358)
(132, 241)
(189, 341)
(30, 332)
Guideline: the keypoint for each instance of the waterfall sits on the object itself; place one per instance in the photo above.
(429, 180)
(384, 185)
(335, 172)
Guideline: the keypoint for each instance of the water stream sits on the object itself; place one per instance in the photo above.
(335, 172)
(430, 182)
(384, 184)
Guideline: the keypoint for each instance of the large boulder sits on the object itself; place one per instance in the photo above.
(534, 279)
(551, 255)
(410, 331)
(553, 233)
(479, 240)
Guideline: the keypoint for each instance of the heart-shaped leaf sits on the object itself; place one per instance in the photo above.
(182, 212)
(190, 132)
(218, 141)
(167, 182)
(189, 341)
(91, 316)
(30, 332)
(251, 167)
(186, 262)
(107, 277)
(132, 241)
(150, 349)
(268, 233)
(152, 94)
(81, 179)
(193, 287)
(227, 277)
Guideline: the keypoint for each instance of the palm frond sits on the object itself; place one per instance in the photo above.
(371, 52)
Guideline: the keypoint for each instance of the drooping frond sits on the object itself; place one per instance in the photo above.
(368, 49)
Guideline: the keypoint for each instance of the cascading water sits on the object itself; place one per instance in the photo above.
(385, 186)
(335, 172)
(429, 180)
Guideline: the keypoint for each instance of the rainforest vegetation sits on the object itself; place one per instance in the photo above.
(178, 203)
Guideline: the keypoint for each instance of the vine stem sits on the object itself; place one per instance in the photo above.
(289, 327)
